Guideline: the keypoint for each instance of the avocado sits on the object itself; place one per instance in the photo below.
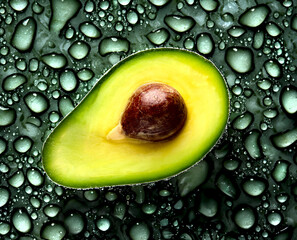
(80, 154)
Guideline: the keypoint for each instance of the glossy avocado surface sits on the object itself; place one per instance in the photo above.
(78, 153)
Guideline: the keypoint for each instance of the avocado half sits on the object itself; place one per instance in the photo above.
(78, 154)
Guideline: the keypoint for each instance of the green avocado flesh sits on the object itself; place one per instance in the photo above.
(78, 154)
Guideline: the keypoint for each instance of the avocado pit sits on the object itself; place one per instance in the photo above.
(155, 112)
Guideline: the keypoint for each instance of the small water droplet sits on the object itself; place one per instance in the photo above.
(179, 23)
(158, 37)
(36, 102)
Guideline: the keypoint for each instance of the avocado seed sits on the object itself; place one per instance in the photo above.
(155, 112)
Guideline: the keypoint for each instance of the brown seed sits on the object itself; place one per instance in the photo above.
(155, 112)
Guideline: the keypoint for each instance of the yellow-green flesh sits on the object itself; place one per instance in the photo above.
(78, 154)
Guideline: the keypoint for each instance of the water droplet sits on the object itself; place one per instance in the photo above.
(254, 186)
(252, 145)
(285, 139)
(79, 50)
(149, 208)
(34, 177)
(7, 116)
(65, 106)
(21, 221)
(4, 228)
(74, 222)
(245, 217)
(159, 3)
(273, 68)
(13, 81)
(274, 218)
(254, 16)
(273, 29)
(4, 196)
(288, 99)
(205, 43)
(51, 210)
(103, 224)
(208, 206)
(227, 186)
(18, 5)
(139, 231)
(22, 144)
(3, 145)
(294, 22)
(37, 8)
(192, 178)
(24, 34)
(119, 210)
(258, 39)
(236, 31)
(132, 17)
(54, 60)
(17, 179)
(62, 12)
(158, 37)
(113, 45)
(91, 195)
(240, 59)
(264, 84)
(280, 170)
(209, 5)
(231, 164)
(189, 43)
(243, 121)
(90, 30)
(85, 74)
(179, 23)
(36, 102)
(68, 80)
(53, 231)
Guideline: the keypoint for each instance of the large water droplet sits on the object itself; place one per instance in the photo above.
(68, 80)
(54, 60)
(79, 50)
(255, 16)
(51, 210)
(113, 45)
(240, 59)
(159, 3)
(179, 23)
(13, 81)
(53, 231)
(21, 221)
(288, 99)
(252, 145)
(273, 29)
(18, 5)
(205, 43)
(254, 186)
(4, 196)
(90, 30)
(243, 121)
(36, 102)
(192, 178)
(24, 34)
(139, 231)
(245, 217)
(85, 74)
(7, 116)
(227, 186)
(273, 68)
(22, 144)
(17, 179)
(285, 139)
(34, 177)
(62, 12)
(158, 37)
(65, 106)
(280, 170)
(209, 5)
(3, 145)
(74, 222)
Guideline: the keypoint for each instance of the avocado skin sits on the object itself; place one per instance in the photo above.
(71, 154)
